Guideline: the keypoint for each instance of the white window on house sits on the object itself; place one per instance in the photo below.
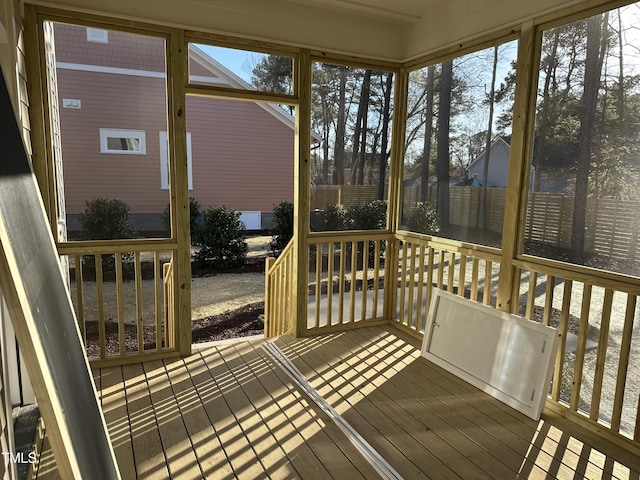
(164, 161)
(97, 35)
(132, 142)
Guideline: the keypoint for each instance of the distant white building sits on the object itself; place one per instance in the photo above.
(498, 165)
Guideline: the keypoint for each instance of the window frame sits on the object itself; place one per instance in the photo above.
(164, 160)
(106, 133)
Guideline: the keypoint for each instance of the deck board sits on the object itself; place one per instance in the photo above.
(228, 411)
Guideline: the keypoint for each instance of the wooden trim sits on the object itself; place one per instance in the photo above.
(239, 43)
(36, 105)
(523, 113)
(468, 249)
(585, 9)
(346, 326)
(301, 192)
(133, 358)
(211, 91)
(464, 47)
(623, 364)
(333, 58)
(179, 189)
(348, 236)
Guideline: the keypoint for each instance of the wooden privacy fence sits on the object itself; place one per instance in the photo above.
(123, 295)
(323, 196)
(612, 225)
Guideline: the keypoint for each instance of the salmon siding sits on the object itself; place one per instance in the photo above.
(241, 152)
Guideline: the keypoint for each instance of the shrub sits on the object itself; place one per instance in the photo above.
(195, 218)
(283, 229)
(423, 218)
(106, 219)
(367, 216)
(220, 240)
(335, 217)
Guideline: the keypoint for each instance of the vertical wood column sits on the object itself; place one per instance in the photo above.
(302, 182)
(394, 211)
(180, 215)
(520, 159)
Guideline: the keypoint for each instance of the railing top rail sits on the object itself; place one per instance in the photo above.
(579, 273)
(349, 235)
(469, 249)
(116, 246)
(285, 251)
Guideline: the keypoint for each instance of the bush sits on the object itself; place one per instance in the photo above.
(335, 217)
(423, 219)
(220, 239)
(106, 219)
(195, 218)
(367, 216)
(283, 229)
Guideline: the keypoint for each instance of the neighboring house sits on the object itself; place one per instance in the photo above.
(114, 132)
(498, 165)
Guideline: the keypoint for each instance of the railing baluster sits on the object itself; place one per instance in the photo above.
(564, 328)
(582, 347)
(462, 274)
(452, 272)
(473, 294)
(80, 296)
(412, 275)
(488, 276)
(548, 300)
(531, 297)
(376, 279)
(420, 287)
(157, 280)
(100, 300)
(120, 300)
(341, 288)
(430, 268)
(330, 258)
(441, 254)
(319, 248)
(623, 364)
(601, 357)
(365, 280)
(352, 292)
(403, 279)
(139, 312)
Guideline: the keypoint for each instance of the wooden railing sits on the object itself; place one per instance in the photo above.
(595, 382)
(424, 263)
(278, 293)
(346, 280)
(123, 297)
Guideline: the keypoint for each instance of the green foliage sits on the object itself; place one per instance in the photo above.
(195, 217)
(260, 320)
(283, 229)
(105, 219)
(367, 216)
(423, 219)
(335, 217)
(220, 239)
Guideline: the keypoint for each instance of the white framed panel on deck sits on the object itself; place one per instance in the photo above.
(507, 356)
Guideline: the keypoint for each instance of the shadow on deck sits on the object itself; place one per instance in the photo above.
(228, 412)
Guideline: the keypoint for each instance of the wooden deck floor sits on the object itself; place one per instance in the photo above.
(228, 412)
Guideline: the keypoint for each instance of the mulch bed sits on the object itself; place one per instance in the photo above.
(242, 322)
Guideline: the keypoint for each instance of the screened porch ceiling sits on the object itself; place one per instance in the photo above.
(378, 29)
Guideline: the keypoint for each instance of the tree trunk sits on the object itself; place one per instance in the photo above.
(338, 151)
(442, 161)
(544, 111)
(428, 131)
(592, 72)
(359, 146)
(487, 150)
(385, 136)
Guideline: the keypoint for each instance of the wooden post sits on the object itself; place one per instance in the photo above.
(523, 123)
(302, 179)
(395, 192)
(177, 53)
